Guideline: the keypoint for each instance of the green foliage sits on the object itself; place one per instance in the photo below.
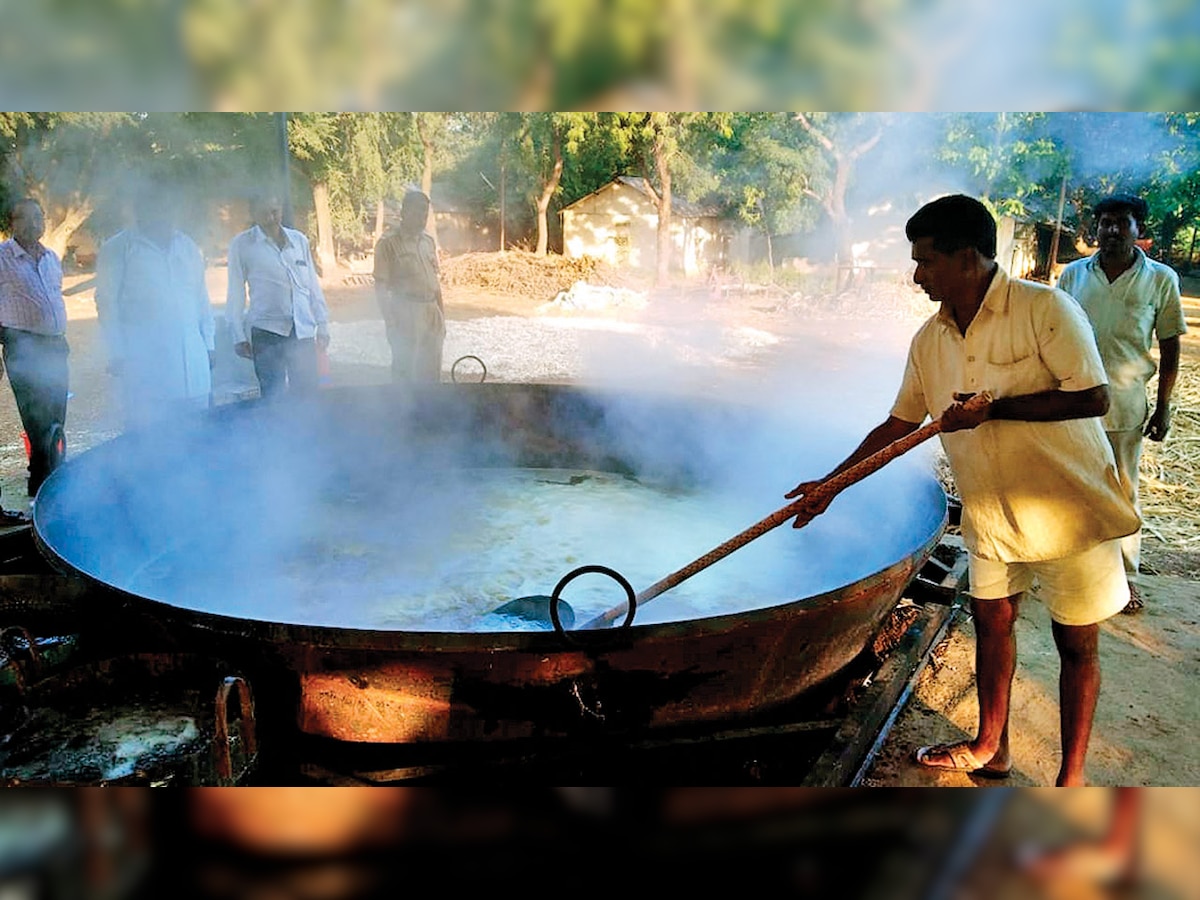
(775, 172)
(1009, 159)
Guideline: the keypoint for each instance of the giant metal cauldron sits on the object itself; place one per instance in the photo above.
(201, 487)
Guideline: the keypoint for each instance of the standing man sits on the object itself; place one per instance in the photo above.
(1130, 299)
(33, 324)
(155, 313)
(287, 318)
(1042, 501)
(409, 294)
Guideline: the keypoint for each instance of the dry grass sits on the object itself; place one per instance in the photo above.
(1170, 471)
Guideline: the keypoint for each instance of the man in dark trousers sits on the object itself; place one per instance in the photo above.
(287, 318)
(33, 324)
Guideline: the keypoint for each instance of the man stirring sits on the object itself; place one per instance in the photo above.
(1042, 501)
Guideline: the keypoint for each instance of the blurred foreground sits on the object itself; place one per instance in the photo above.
(321, 844)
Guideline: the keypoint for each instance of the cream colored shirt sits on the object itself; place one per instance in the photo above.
(406, 268)
(1030, 490)
(1126, 315)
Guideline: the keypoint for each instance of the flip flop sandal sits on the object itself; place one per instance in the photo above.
(958, 758)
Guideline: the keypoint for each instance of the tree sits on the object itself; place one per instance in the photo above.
(433, 131)
(317, 142)
(1177, 199)
(1012, 163)
(663, 144)
(763, 172)
(61, 159)
(544, 143)
(844, 138)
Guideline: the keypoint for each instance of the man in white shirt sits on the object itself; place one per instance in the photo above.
(33, 324)
(287, 318)
(1042, 500)
(155, 313)
(1130, 300)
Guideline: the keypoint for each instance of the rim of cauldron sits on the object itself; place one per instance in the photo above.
(331, 636)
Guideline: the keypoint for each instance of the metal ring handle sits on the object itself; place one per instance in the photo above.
(587, 570)
(222, 752)
(454, 377)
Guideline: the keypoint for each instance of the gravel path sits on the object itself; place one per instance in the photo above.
(518, 349)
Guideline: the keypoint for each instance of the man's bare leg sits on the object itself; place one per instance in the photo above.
(995, 663)
(1078, 689)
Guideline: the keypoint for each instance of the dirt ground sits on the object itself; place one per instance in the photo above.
(1146, 725)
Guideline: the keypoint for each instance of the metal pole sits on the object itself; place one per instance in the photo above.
(285, 193)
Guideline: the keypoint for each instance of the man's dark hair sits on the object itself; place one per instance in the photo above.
(1123, 203)
(955, 222)
(260, 198)
(413, 197)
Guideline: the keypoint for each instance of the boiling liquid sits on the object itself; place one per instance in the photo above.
(444, 550)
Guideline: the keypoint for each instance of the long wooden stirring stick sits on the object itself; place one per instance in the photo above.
(827, 489)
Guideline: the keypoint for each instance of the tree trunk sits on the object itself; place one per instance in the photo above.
(770, 253)
(662, 272)
(326, 256)
(843, 234)
(427, 177)
(58, 234)
(1170, 226)
(1062, 200)
(834, 201)
(543, 201)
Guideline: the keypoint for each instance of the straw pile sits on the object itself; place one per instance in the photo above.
(1170, 471)
(525, 274)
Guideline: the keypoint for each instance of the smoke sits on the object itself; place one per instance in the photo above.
(741, 415)
(373, 511)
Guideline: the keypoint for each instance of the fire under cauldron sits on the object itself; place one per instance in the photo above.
(284, 536)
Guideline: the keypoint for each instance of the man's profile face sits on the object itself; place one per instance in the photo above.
(28, 223)
(1117, 232)
(939, 274)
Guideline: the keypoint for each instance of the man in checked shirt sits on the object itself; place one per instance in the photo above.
(33, 324)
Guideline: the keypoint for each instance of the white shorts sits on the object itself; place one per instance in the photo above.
(1078, 590)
